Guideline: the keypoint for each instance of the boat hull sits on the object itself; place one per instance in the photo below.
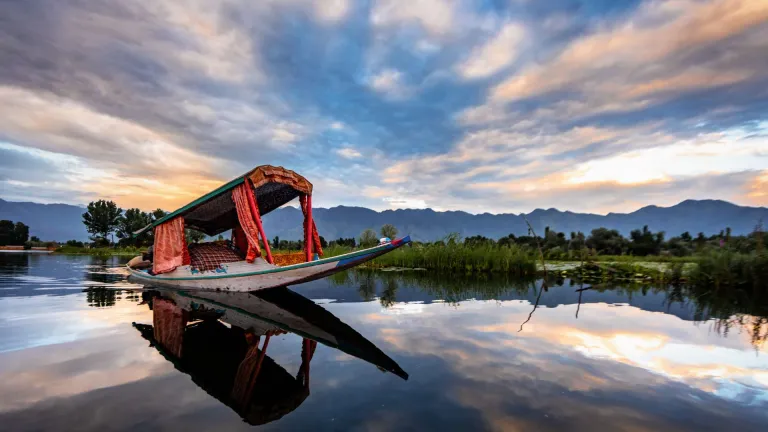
(241, 278)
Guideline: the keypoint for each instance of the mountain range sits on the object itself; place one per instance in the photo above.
(61, 222)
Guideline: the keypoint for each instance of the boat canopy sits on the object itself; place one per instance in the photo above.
(215, 212)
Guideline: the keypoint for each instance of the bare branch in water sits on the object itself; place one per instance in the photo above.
(544, 266)
(536, 305)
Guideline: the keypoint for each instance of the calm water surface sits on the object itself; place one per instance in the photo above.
(81, 348)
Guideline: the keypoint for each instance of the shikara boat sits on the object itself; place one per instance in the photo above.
(230, 362)
(247, 263)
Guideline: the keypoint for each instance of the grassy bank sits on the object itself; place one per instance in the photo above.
(459, 258)
(100, 252)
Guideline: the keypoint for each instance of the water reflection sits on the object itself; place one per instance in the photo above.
(589, 358)
(215, 338)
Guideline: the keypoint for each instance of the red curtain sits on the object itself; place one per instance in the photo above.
(239, 239)
(247, 219)
(169, 322)
(306, 203)
(170, 249)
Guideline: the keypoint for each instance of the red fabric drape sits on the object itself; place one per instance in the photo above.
(257, 218)
(169, 322)
(239, 239)
(170, 249)
(306, 208)
(246, 218)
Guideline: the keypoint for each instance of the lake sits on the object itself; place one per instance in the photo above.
(81, 348)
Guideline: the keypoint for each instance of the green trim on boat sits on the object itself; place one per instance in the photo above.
(194, 203)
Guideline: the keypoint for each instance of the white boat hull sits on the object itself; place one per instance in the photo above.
(242, 277)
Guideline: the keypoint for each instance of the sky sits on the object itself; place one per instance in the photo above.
(482, 106)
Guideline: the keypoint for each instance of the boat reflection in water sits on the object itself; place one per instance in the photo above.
(221, 339)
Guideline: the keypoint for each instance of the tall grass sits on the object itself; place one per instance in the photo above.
(459, 258)
(731, 269)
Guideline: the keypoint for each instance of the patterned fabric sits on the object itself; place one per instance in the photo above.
(272, 174)
(246, 219)
(290, 258)
(210, 256)
(170, 249)
(169, 322)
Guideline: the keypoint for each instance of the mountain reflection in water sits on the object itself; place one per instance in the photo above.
(226, 360)
(627, 357)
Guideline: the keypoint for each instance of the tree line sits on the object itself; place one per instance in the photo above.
(13, 234)
(641, 242)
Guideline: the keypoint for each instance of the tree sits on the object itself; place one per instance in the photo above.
(193, 236)
(132, 221)
(700, 241)
(6, 232)
(389, 230)
(20, 233)
(158, 214)
(34, 239)
(350, 242)
(101, 218)
(645, 242)
(323, 243)
(606, 241)
(276, 243)
(368, 238)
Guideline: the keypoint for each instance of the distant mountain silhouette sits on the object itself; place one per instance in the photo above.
(62, 222)
(50, 222)
(707, 216)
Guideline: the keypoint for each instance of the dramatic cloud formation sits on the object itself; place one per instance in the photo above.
(503, 107)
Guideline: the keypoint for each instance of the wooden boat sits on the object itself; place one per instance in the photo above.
(238, 206)
(228, 362)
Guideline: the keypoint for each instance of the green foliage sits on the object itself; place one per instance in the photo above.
(459, 257)
(606, 241)
(645, 242)
(193, 236)
(158, 214)
(132, 221)
(368, 238)
(725, 268)
(102, 218)
(348, 242)
(389, 230)
(14, 234)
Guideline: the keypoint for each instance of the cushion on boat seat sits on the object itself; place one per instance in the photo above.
(210, 256)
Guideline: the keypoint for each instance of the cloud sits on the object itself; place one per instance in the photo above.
(447, 100)
(628, 61)
(496, 54)
(349, 153)
(390, 82)
(435, 16)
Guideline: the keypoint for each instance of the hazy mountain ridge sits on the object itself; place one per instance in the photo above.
(63, 222)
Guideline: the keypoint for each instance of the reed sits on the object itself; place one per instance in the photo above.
(731, 269)
(461, 258)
